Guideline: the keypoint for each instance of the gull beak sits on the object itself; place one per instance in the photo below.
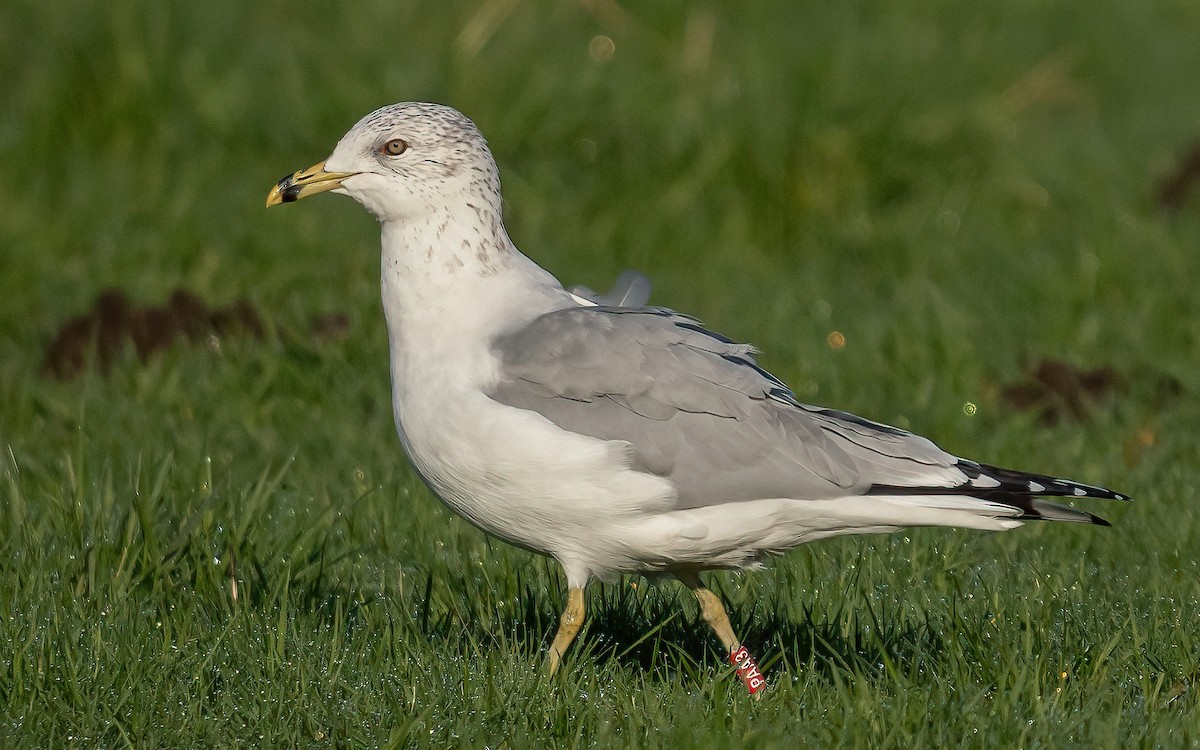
(304, 183)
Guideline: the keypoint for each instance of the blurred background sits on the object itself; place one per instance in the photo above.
(947, 193)
(874, 159)
(977, 222)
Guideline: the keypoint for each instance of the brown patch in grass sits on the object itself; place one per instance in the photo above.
(1058, 390)
(1174, 187)
(114, 322)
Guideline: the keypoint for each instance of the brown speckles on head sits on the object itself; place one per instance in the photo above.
(440, 196)
(446, 156)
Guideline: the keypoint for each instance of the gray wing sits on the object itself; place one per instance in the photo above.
(697, 409)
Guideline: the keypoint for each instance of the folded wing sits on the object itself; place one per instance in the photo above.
(696, 409)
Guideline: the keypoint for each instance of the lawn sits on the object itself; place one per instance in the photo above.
(906, 206)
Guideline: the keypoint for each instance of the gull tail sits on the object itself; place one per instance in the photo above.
(1019, 493)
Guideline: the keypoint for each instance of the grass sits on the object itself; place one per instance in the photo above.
(957, 190)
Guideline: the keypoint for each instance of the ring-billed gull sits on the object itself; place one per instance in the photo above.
(616, 439)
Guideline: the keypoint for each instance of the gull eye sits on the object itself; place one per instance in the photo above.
(394, 147)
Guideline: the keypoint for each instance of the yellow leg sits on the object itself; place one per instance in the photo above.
(568, 627)
(712, 611)
(714, 614)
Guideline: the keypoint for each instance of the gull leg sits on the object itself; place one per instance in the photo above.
(568, 627)
(712, 611)
(714, 614)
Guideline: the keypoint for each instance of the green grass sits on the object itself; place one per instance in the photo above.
(958, 190)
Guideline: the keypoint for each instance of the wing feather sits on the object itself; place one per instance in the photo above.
(696, 408)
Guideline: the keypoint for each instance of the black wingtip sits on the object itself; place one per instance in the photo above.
(1038, 485)
(1078, 489)
(1020, 490)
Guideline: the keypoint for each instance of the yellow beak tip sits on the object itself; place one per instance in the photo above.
(304, 183)
(275, 197)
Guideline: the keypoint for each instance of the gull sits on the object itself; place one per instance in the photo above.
(615, 438)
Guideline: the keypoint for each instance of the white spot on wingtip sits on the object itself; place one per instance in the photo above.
(1080, 492)
(1035, 487)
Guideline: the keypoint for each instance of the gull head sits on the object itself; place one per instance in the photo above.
(403, 162)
